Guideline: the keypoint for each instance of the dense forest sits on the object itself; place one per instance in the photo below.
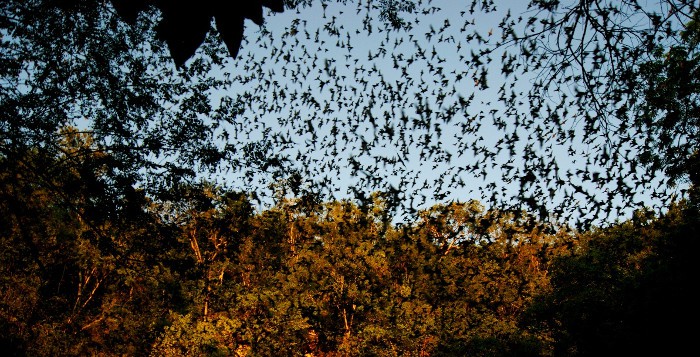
(114, 241)
(207, 274)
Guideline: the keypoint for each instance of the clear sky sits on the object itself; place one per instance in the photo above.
(331, 89)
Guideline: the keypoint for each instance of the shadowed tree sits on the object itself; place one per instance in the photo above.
(184, 25)
(625, 289)
(79, 65)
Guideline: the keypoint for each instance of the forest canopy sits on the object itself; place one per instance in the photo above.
(210, 275)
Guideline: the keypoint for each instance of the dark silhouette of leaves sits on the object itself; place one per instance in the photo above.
(184, 24)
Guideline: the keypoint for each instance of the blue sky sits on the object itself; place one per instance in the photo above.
(364, 82)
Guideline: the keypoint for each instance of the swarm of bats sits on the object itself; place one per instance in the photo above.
(426, 96)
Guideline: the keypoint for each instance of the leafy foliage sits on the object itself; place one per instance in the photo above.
(83, 67)
(669, 110)
(208, 275)
(625, 289)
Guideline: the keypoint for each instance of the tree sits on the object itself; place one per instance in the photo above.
(669, 110)
(76, 279)
(488, 268)
(79, 65)
(625, 289)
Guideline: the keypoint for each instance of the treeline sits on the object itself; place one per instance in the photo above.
(89, 269)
